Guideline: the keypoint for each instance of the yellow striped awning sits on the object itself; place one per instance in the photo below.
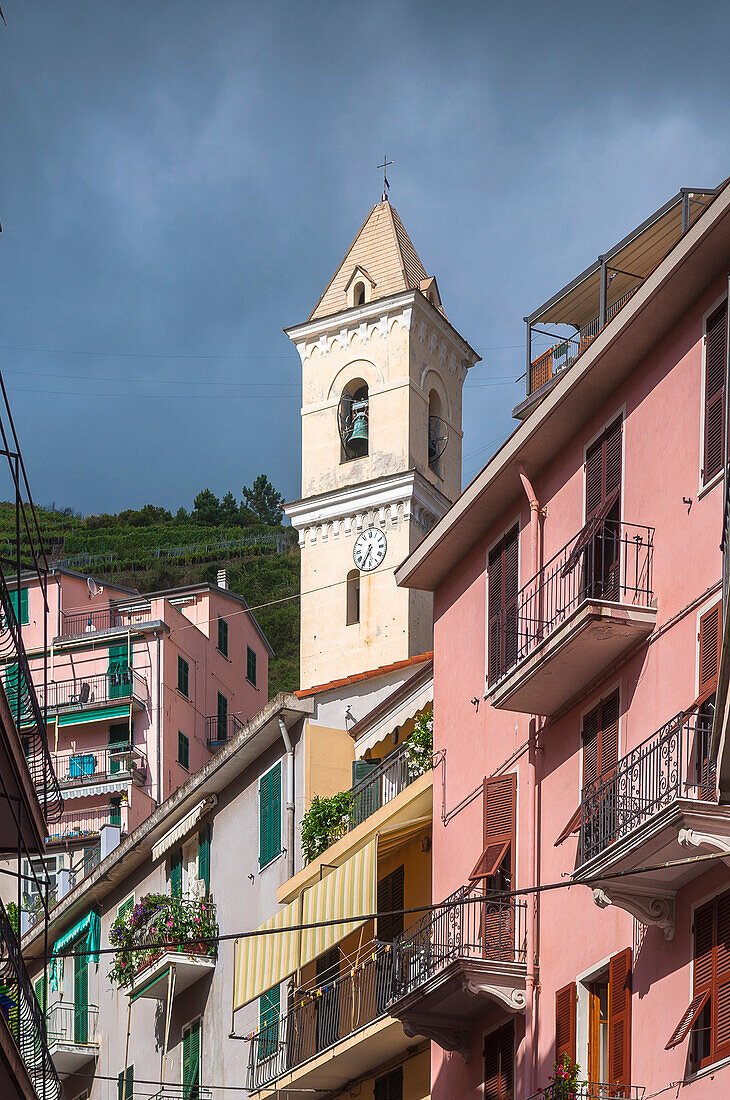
(261, 962)
(350, 890)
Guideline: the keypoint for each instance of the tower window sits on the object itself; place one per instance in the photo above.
(358, 296)
(353, 597)
(437, 433)
(354, 420)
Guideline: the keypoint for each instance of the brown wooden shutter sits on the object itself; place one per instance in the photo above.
(572, 826)
(722, 977)
(688, 1020)
(619, 1018)
(715, 354)
(710, 638)
(565, 1000)
(608, 735)
(499, 1063)
(704, 937)
(590, 747)
(495, 610)
(499, 809)
(603, 471)
(503, 582)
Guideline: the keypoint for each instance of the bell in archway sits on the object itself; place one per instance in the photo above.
(359, 433)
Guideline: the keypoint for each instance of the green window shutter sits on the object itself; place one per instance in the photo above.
(176, 873)
(223, 637)
(128, 1093)
(115, 811)
(269, 1009)
(118, 672)
(183, 676)
(204, 857)
(191, 1061)
(183, 749)
(125, 908)
(222, 716)
(38, 990)
(15, 682)
(251, 665)
(367, 800)
(270, 816)
(23, 618)
(81, 997)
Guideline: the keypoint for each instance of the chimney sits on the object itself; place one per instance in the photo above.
(223, 578)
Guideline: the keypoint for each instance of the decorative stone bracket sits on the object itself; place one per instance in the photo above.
(690, 838)
(648, 910)
(456, 1039)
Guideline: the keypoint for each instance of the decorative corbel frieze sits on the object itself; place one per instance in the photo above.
(448, 1038)
(647, 910)
(513, 998)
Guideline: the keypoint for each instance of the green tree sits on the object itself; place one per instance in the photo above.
(207, 508)
(229, 510)
(263, 501)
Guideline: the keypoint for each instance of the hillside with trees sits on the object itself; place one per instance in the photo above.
(151, 548)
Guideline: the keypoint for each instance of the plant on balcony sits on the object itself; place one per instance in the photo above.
(156, 920)
(564, 1082)
(420, 746)
(325, 821)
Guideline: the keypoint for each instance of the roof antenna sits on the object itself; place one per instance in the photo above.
(386, 186)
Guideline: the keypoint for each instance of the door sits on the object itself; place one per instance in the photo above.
(366, 799)
(118, 672)
(81, 998)
(597, 1034)
(603, 509)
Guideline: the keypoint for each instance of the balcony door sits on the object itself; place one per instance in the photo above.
(81, 996)
(327, 1004)
(118, 672)
(601, 564)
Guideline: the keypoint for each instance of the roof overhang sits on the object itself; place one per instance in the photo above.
(699, 258)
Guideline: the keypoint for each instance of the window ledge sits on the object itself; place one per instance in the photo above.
(705, 489)
(271, 862)
(707, 1071)
(223, 655)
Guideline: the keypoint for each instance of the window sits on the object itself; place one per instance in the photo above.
(176, 873)
(125, 1084)
(191, 1060)
(714, 411)
(437, 438)
(708, 1016)
(601, 540)
(269, 1008)
(494, 868)
(44, 869)
(251, 665)
(182, 676)
(223, 636)
(115, 811)
(353, 597)
(390, 904)
(183, 749)
(502, 584)
(358, 294)
(221, 717)
(118, 672)
(498, 1056)
(609, 1022)
(600, 740)
(270, 815)
(81, 996)
(120, 736)
(204, 857)
(389, 1086)
(565, 1003)
(125, 908)
(23, 617)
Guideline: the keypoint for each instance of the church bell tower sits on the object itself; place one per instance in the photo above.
(382, 377)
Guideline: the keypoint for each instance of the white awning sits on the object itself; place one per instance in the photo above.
(182, 828)
(88, 789)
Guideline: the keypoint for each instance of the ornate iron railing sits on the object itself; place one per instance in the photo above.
(74, 623)
(87, 692)
(471, 923)
(607, 560)
(24, 1015)
(221, 728)
(68, 1023)
(112, 762)
(77, 824)
(321, 1018)
(26, 710)
(673, 763)
(385, 782)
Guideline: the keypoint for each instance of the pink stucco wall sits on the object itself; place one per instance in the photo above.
(661, 404)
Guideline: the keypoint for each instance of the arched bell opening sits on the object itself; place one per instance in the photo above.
(353, 416)
(353, 597)
(438, 433)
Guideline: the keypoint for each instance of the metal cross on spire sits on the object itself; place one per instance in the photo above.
(386, 186)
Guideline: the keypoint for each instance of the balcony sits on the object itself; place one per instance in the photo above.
(23, 1019)
(460, 959)
(153, 966)
(657, 803)
(331, 1035)
(87, 699)
(82, 824)
(584, 610)
(75, 624)
(221, 728)
(72, 1037)
(84, 768)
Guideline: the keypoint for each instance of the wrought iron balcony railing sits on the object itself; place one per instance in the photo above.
(23, 1014)
(607, 560)
(673, 763)
(472, 923)
(321, 1018)
(68, 1023)
(154, 922)
(74, 623)
(87, 692)
(77, 824)
(220, 728)
(86, 765)
(385, 782)
(599, 1090)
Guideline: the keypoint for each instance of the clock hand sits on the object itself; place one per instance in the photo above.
(370, 550)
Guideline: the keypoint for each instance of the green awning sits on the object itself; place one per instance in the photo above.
(73, 718)
(90, 927)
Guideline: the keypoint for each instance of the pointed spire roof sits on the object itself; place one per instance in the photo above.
(384, 251)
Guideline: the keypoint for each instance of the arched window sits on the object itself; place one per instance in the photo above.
(354, 420)
(353, 597)
(358, 294)
(436, 432)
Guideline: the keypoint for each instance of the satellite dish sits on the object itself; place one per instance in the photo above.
(438, 437)
(94, 588)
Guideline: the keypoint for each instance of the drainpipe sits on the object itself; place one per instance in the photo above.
(158, 716)
(531, 931)
(289, 796)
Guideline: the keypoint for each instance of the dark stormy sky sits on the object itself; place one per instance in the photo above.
(178, 180)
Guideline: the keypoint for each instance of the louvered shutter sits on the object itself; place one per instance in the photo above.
(603, 470)
(503, 582)
(608, 735)
(125, 1087)
(511, 582)
(389, 1086)
(390, 903)
(499, 807)
(590, 747)
(191, 1061)
(710, 638)
(81, 998)
(565, 999)
(204, 857)
(715, 355)
(176, 873)
(495, 612)
(619, 1018)
(722, 977)
(499, 1064)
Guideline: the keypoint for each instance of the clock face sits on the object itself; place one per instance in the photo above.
(369, 549)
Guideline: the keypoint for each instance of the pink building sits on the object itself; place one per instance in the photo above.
(141, 690)
(577, 588)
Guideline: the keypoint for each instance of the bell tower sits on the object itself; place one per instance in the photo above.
(382, 377)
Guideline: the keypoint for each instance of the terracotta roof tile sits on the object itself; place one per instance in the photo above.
(369, 675)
